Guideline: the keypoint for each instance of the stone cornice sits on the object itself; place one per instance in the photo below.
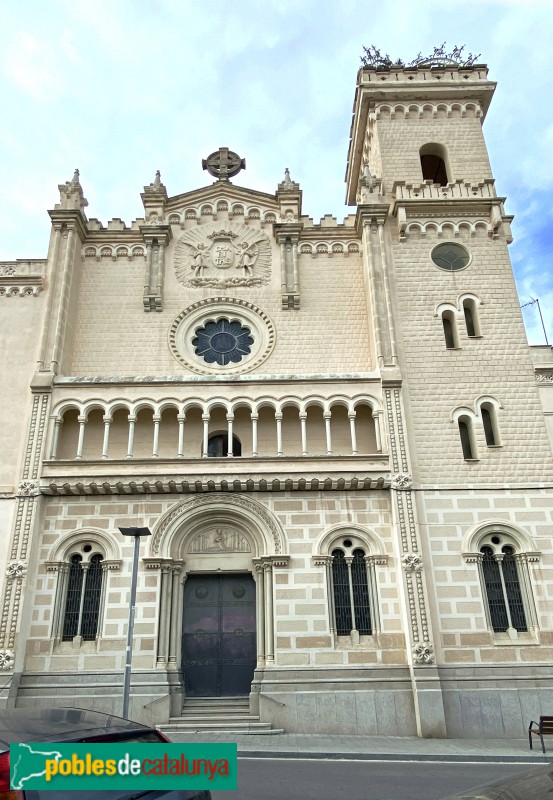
(165, 485)
(71, 217)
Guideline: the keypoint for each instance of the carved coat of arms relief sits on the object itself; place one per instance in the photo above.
(223, 254)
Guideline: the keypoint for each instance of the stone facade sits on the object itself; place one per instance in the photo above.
(328, 408)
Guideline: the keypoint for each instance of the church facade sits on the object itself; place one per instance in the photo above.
(333, 431)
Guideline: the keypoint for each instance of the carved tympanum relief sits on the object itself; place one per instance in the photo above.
(223, 254)
(220, 540)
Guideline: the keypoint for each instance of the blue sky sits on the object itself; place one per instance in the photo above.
(120, 89)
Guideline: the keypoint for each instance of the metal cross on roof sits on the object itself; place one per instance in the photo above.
(223, 164)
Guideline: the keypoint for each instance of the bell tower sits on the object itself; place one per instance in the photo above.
(465, 427)
(435, 237)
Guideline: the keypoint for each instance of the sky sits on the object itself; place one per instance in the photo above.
(122, 89)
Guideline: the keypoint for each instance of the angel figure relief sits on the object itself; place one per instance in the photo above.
(247, 259)
(222, 255)
(199, 260)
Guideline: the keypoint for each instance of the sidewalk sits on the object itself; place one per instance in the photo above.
(375, 748)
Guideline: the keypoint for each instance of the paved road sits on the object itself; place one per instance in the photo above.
(290, 779)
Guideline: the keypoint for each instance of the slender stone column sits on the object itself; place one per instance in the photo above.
(260, 613)
(353, 434)
(64, 303)
(205, 418)
(148, 268)
(326, 416)
(160, 268)
(42, 350)
(230, 446)
(278, 418)
(155, 448)
(348, 561)
(303, 426)
(181, 418)
(105, 446)
(499, 558)
(164, 614)
(81, 601)
(295, 266)
(283, 281)
(80, 443)
(59, 603)
(389, 311)
(378, 417)
(330, 585)
(254, 418)
(174, 614)
(373, 595)
(130, 447)
(269, 623)
(55, 438)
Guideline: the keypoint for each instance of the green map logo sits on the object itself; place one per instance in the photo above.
(122, 765)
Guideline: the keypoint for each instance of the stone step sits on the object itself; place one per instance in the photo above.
(220, 727)
(209, 718)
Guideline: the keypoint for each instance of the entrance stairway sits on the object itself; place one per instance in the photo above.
(218, 714)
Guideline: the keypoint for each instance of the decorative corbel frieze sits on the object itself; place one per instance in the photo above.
(19, 279)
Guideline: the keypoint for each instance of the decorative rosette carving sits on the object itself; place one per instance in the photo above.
(7, 659)
(28, 489)
(423, 653)
(412, 562)
(402, 482)
(16, 569)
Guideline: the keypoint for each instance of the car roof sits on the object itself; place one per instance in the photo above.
(59, 724)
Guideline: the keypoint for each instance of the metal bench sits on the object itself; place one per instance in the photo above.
(541, 729)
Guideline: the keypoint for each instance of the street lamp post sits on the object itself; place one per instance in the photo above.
(137, 533)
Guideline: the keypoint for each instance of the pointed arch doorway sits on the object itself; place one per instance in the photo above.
(219, 634)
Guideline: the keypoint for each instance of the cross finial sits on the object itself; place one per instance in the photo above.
(223, 164)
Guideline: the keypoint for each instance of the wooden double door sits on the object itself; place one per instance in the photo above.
(218, 639)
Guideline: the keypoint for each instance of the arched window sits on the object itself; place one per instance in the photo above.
(82, 598)
(471, 317)
(467, 438)
(489, 423)
(217, 446)
(450, 330)
(352, 607)
(433, 163)
(503, 589)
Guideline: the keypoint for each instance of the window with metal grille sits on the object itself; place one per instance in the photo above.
(82, 605)
(503, 589)
(352, 609)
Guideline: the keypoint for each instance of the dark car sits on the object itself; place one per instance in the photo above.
(76, 725)
(532, 784)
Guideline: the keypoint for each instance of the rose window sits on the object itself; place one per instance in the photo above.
(222, 342)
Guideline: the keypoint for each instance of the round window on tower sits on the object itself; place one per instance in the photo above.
(450, 256)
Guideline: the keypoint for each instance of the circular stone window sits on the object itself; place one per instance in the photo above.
(450, 256)
(222, 341)
(222, 335)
